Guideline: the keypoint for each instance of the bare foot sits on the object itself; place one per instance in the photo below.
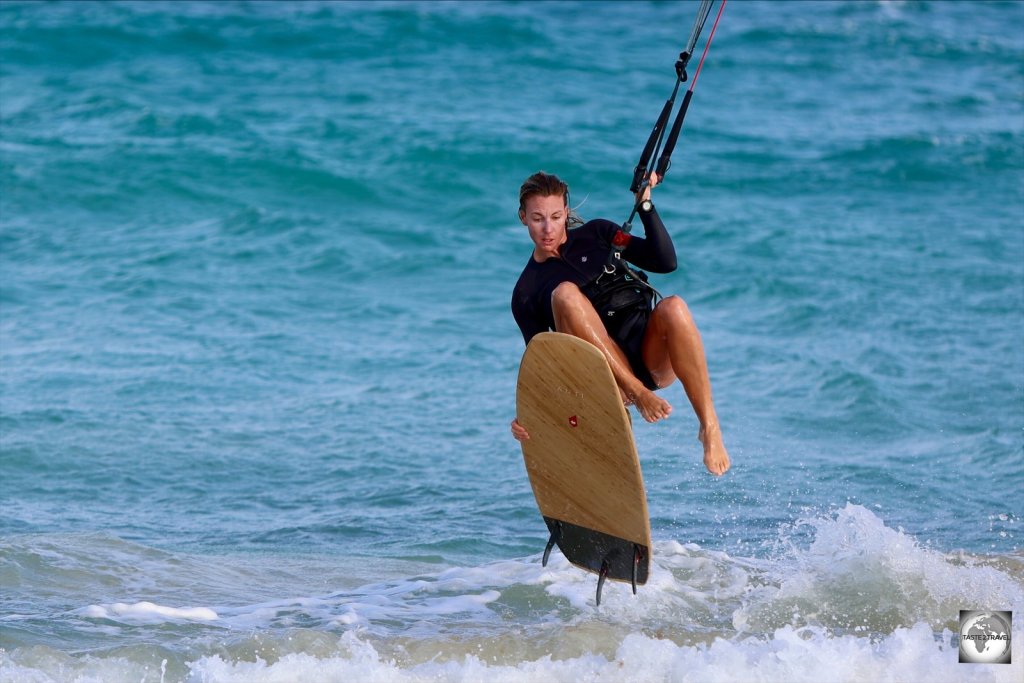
(651, 406)
(716, 459)
(626, 399)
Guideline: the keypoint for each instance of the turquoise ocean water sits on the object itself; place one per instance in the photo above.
(257, 363)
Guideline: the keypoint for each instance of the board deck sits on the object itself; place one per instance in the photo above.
(581, 457)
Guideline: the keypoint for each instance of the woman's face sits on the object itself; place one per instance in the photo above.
(545, 218)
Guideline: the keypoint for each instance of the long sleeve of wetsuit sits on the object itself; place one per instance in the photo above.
(655, 251)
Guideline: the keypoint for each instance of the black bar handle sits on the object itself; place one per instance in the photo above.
(645, 158)
(670, 144)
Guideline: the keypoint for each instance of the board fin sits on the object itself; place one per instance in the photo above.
(556, 535)
(610, 557)
(638, 554)
(602, 575)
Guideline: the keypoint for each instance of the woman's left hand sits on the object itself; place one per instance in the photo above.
(652, 181)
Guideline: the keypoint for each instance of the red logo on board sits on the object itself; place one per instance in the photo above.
(573, 421)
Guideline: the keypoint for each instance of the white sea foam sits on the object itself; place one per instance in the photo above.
(148, 612)
(788, 655)
(842, 598)
(859, 574)
(855, 576)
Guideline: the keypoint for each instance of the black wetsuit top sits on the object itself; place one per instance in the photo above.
(587, 248)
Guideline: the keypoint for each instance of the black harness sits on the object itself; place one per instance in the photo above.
(620, 294)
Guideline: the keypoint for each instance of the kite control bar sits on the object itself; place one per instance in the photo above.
(647, 164)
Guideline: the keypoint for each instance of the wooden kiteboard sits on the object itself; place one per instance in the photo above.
(582, 460)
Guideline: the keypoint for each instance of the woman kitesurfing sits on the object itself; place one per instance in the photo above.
(579, 281)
